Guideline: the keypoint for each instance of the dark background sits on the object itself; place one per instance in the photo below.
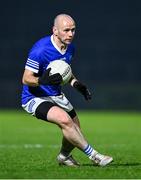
(108, 39)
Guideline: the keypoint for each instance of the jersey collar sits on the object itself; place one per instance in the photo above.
(56, 47)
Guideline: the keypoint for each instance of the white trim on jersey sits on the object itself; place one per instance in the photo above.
(31, 69)
(56, 47)
(32, 63)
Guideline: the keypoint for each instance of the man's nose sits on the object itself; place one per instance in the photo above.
(70, 33)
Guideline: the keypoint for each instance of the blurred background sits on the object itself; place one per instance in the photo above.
(107, 59)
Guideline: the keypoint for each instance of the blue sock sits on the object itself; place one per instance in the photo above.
(89, 150)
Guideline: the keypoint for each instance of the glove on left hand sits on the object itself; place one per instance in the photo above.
(83, 90)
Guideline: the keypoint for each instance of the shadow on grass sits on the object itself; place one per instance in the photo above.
(115, 165)
(126, 164)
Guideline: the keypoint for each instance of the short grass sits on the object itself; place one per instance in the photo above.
(28, 147)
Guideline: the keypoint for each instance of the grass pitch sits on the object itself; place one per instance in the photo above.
(28, 147)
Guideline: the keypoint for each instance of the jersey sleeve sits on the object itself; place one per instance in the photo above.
(34, 60)
(32, 65)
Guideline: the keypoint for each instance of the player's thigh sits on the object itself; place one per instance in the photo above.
(59, 116)
(39, 107)
(42, 110)
(51, 112)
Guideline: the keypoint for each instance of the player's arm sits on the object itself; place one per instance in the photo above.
(74, 82)
(30, 79)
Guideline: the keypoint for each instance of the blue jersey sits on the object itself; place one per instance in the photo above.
(42, 53)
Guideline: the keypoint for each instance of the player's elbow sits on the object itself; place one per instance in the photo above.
(24, 81)
(26, 77)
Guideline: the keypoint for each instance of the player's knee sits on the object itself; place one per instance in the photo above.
(64, 119)
(60, 117)
(66, 122)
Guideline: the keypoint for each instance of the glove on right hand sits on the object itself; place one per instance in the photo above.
(47, 79)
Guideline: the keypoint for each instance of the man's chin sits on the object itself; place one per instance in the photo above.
(68, 42)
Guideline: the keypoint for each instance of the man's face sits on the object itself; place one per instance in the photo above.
(65, 31)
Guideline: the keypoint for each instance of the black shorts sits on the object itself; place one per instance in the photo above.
(44, 107)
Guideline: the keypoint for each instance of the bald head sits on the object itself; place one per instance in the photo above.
(63, 29)
(63, 19)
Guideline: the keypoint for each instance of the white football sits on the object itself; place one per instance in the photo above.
(61, 67)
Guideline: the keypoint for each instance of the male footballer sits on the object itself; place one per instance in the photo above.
(42, 95)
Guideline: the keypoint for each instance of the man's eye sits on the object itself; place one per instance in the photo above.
(66, 30)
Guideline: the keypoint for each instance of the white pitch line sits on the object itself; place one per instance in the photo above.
(39, 146)
(33, 146)
(27, 146)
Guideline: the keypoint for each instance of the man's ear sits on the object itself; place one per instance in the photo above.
(55, 31)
